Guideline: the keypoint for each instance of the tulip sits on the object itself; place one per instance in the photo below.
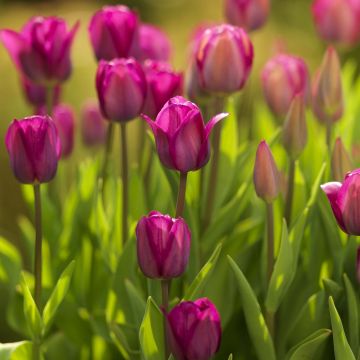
(358, 265)
(181, 137)
(337, 20)
(283, 77)
(163, 245)
(248, 14)
(34, 149)
(163, 84)
(114, 32)
(224, 57)
(344, 199)
(341, 163)
(41, 51)
(93, 125)
(121, 88)
(194, 330)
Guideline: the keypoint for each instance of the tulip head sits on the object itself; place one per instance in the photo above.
(266, 174)
(194, 330)
(121, 89)
(114, 32)
(163, 246)
(34, 149)
(248, 14)
(182, 139)
(41, 51)
(224, 58)
(341, 163)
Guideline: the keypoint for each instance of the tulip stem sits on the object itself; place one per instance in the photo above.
(180, 203)
(328, 137)
(125, 183)
(290, 192)
(108, 149)
(49, 100)
(38, 246)
(165, 304)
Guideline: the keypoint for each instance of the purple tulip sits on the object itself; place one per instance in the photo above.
(163, 245)
(181, 137)
(194, 330)
(64, 119)
(41, 51)
(114, 32)
(162, 84)
(283, 77)
(344, 199)
(121, 88)
(93, 125)
(224, 58)
(34, 149)
(248, 14)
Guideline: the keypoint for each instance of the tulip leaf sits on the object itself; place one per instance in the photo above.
(136, 301)
(16, 351)
(10, 263)
(255, 321)
(194, 290)
(230, 357)
(121, 342)
(332, 288)
(57, 296)
(151, 333)
(341, 346)
(316, 187)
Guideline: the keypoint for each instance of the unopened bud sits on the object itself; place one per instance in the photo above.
(340, 161)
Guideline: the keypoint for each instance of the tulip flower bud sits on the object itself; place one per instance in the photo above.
(340, 161)
(283, 77)
(93, 125)
(266, 174)
(182, 139)
(63, 118)
(344, 199)
(41, 51)
(162, 84)
(248, 14)
(337, 20)
(163, 245)
(295, 131)
(34, 149)
(224, 58)
(114, 32)
(358, 265)
(121, 89)
(327, 89)
(194, 330)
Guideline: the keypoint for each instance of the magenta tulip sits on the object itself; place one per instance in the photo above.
(194, 330)
(41, 51)
(163, 245)
(114, 32)
(34, 149)
(181, 137)
(121, 88)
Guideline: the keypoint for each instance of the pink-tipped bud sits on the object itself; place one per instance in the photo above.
(266, 174)
(341, 163)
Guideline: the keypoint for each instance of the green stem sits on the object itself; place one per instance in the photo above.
(38, 246)
(49, 100)
(107, 154)
(328, 137)
(290, 192)
(165, 284)
(180, 203)
(125, 182)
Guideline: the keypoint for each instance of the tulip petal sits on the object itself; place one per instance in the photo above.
(209, 126)
(14, 43)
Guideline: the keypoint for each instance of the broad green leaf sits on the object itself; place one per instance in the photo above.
(16, 351)
(255, 321)
(151, 333)
(332, 288)
(296, 235)
(194, 290)
(316, 186)
(136, 301)
(341, 346)
(10, 263)
(121, 342)
(57, 296)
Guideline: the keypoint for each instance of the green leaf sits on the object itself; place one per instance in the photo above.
(121, 342)
(255, 321)
(136, 301)
(316, 186)
(332, 288)
(203, 276)
(230, 357)
(151, 333)
(16, 351)
(10, 263)
(341, 346)
(57, 296)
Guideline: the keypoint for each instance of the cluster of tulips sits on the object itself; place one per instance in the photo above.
(134, 79)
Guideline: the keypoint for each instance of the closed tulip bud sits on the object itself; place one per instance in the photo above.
(162, 84)
(121, 89)
(248, 14)
(344, 199)
(224, 58)
(41, 51)
(266, 174)
(194, 330)
(337, 20)
(358, 265)
(34, 149)
(114, 32)
(283, 77)
(93, 125)
(340, 161)
(63, 118)
(182, 139)
(163, 245)
(295, 131)
(327, 91)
